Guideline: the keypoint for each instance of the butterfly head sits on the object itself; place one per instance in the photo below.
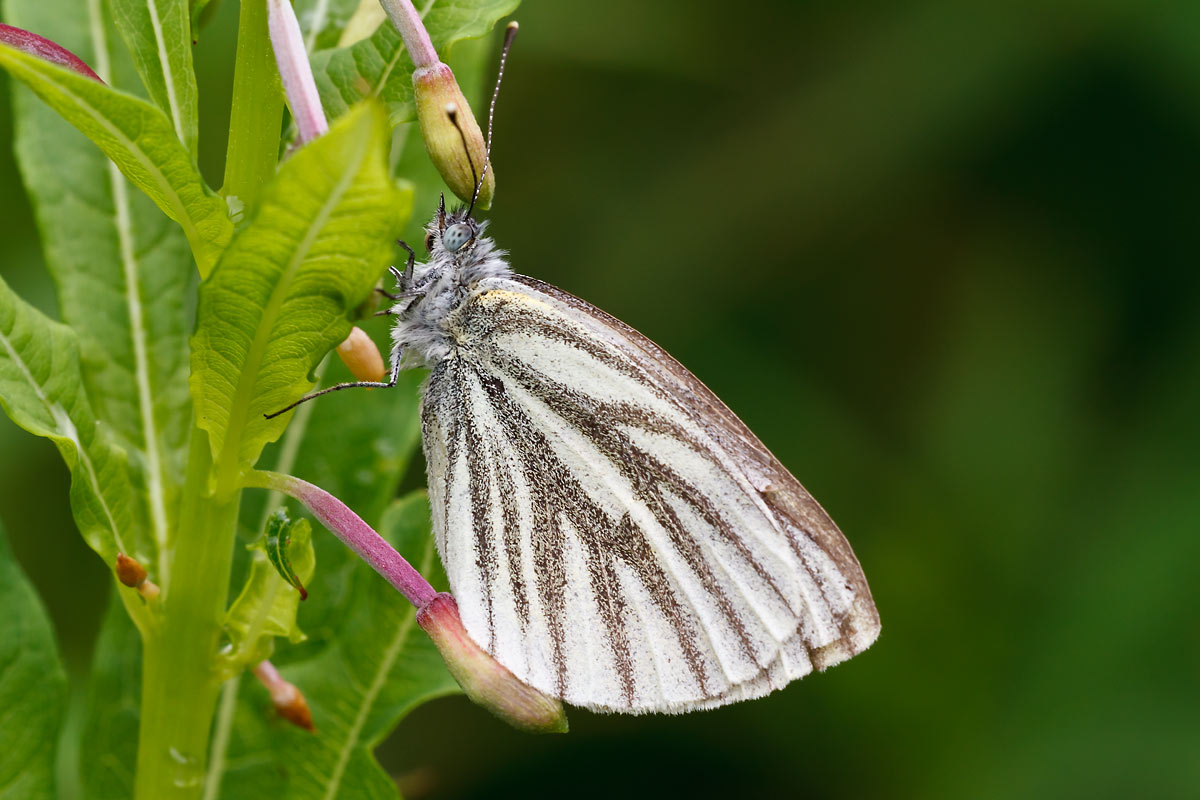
(453, 232)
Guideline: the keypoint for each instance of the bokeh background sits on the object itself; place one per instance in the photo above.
(942, 257)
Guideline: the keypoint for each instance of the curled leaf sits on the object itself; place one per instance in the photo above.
(279, 536)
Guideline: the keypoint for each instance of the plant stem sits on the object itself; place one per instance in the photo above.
(412, 30)
(180, 681)
(256, 114)
(350, 528)
(295, 71)
(180, 675)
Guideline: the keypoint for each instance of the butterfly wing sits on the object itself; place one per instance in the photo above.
(612, 533)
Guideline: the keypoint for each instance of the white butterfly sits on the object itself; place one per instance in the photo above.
(612, 533)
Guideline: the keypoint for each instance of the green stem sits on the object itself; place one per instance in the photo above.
(256, 114)
(180, 679)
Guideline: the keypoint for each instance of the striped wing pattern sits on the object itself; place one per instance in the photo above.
(613, 534)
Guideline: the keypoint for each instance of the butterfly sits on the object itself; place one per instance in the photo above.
(613, 534)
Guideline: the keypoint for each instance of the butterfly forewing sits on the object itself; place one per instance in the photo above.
(613, 534)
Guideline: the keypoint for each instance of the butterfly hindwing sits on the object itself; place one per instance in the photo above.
(612, 533)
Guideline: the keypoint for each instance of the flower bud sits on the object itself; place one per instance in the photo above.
(288, 700)
(129, 571)
(361, 356)
(484, 679)
(442, 111)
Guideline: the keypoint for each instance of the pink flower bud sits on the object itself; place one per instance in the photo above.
(361, 356)
(484, 679)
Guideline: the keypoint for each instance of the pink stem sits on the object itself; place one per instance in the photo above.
(294, 69)
(349, 527)
(265, 671)
(412, 31)
(44, 49)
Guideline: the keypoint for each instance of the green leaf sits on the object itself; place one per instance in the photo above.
(109, 735)
(159, 37)
(122, 269)
(199, 18)
(41, 390)
(266, 608)
(356, 444)
(322, 21)
(359, 686)
(380, 67)
(282, 294)
(33, 687)
(140, 139)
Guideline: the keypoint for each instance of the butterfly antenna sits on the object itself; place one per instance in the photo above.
(510, 33)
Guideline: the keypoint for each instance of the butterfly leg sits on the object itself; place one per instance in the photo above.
(393, 377)
(402, 279)
(406, 278)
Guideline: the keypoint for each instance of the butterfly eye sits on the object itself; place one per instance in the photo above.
(456, 236)
(429, 243)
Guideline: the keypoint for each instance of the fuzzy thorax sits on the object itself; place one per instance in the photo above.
(444, 283)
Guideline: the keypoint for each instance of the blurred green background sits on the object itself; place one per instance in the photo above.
(942, 258)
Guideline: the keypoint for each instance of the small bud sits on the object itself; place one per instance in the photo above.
(132, 574)
(288, 700)
(436, 92)
(361, 356)
(129, 571)
(484, 679)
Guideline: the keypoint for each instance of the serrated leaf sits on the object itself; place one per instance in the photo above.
(122, 269)
(139, 138)
(281, 296)
(109, 736)
(379, 66)
(159, 37)
(267, 605)
(358, 686)
(41, 390)
(33, 687)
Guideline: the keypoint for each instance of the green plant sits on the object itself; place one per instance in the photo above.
(159, 413)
